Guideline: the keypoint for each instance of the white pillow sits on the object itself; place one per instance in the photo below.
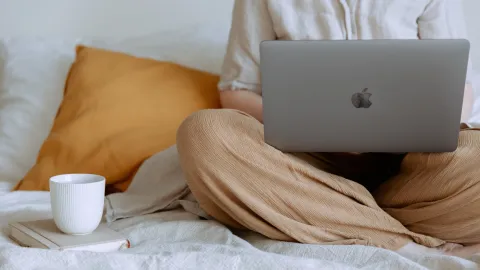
(474, 120)
(31, 91)
(35, 73)
(202, 47)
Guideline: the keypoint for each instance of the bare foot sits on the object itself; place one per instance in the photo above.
(414, 248)
(450, 249)
(463, 251)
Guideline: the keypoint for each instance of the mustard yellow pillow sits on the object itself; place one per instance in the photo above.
(117, 111)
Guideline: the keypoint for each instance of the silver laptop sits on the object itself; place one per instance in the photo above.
(363, 96)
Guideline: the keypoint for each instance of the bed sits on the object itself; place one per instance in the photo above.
(164, 233)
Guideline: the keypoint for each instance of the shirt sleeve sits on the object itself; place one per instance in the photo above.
(444, 19)
(251, 24)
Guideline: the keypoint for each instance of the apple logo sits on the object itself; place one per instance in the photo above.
(362, 99)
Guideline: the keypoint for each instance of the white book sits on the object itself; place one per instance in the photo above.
(45, 234)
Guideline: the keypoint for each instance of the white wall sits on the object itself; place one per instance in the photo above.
(106, 18)
(74, 18)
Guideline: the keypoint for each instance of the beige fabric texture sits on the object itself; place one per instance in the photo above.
(246, 184)
(257, 20)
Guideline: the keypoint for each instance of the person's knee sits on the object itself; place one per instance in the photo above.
(206, 130)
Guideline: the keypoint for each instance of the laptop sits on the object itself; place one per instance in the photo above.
(391, 96)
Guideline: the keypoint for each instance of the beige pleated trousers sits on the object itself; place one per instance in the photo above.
(246, 184)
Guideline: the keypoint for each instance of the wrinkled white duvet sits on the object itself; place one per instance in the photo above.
(177, 239)
(164, 227)
(165, 230)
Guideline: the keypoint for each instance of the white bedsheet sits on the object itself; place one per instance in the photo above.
(176, 238)
(179, 240)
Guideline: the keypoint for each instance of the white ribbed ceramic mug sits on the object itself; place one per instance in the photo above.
(77, 202)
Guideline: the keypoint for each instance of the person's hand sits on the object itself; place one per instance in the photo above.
(243, 100)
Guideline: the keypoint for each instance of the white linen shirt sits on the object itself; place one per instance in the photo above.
(254, 21)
